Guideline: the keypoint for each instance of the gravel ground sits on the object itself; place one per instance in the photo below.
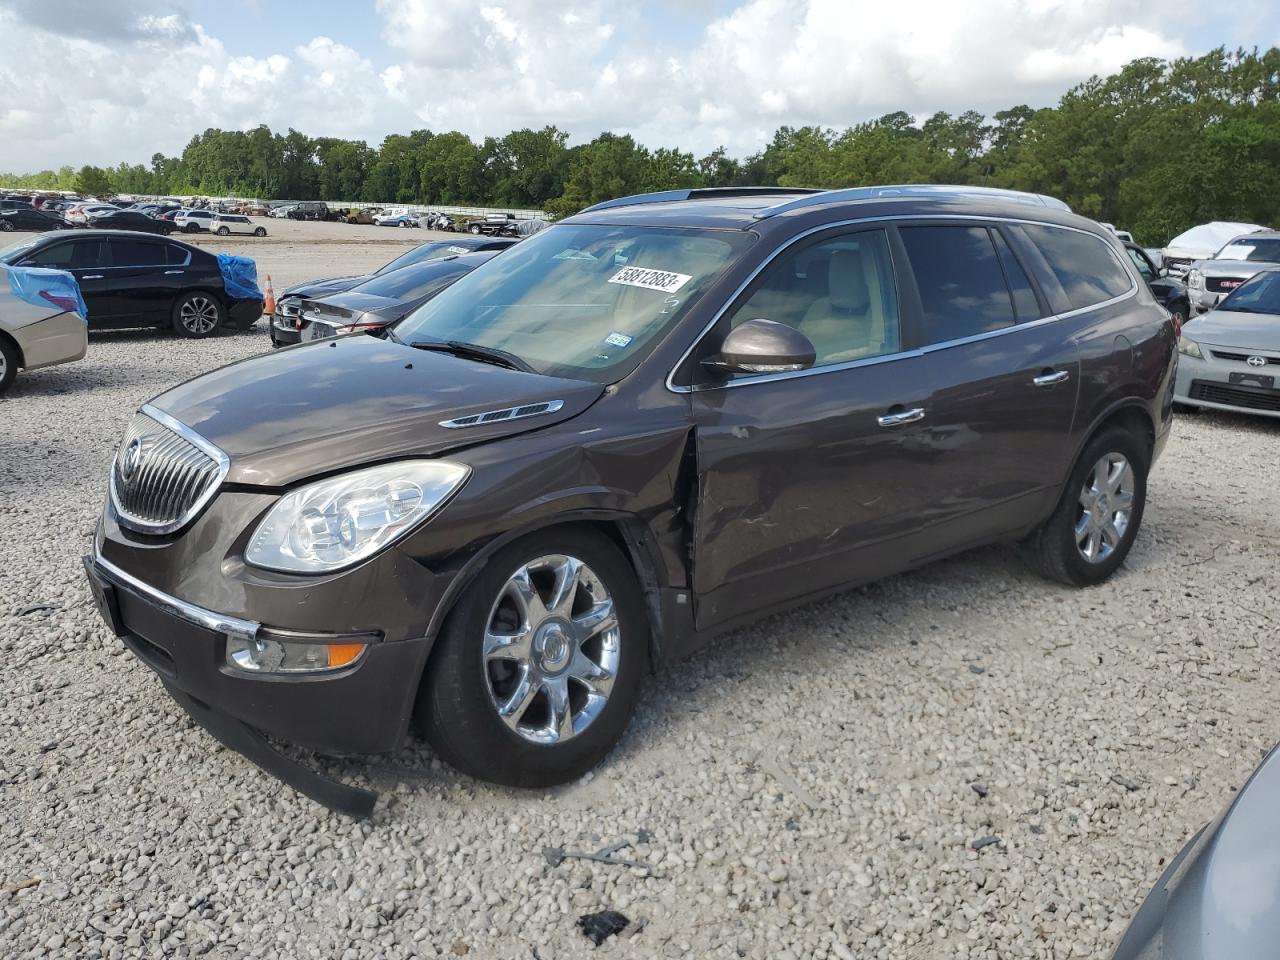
(814, 786)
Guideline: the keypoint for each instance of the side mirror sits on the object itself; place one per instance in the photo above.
(762, 346)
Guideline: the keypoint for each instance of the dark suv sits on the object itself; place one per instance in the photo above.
(664, 417)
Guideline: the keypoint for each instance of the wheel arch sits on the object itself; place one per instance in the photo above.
(17, 347)
(1131, 414)
(626, 531)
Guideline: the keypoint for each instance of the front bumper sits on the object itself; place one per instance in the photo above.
(283, 332)
(1221, 384)
(363, 708)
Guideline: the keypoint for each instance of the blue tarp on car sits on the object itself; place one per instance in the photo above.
(44, 287)
(239, 276)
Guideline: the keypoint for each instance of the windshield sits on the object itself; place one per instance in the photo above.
(435, 250)
(1261, 294)
(15, 251)
(579, 301)
(1266, 250)
(412, 281)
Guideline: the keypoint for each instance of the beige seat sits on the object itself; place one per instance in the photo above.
(844, 325)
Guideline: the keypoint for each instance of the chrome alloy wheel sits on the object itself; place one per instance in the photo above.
(199, 315)
(552, 646)
(1105, 507)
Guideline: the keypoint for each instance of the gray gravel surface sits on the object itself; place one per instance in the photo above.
(814, 786)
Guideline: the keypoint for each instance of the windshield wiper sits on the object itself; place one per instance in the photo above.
(474, 351)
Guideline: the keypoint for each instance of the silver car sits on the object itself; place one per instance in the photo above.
(1208, 281)
(41, 320)
(1230, 357)
(1219, 898)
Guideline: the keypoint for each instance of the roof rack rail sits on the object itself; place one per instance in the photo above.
(938, 190)
(699, 193)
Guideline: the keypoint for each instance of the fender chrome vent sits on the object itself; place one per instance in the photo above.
(501, 416)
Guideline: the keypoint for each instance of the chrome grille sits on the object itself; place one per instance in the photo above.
(163, 474)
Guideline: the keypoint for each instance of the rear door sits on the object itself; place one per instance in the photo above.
(1004, 379)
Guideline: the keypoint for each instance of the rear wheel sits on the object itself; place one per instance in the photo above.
(475, 229)
(1095, 523)
(535, 674)
(222, 231)
(8, 364)
(198, 315)
(260, 232)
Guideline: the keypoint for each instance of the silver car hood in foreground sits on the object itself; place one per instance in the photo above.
(1219, 899)
(1244, 269)
(1233, 328)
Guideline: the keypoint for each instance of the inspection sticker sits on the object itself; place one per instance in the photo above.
(618, 340)
(663, 281)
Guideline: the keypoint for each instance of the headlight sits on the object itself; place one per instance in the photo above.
(346, 519)
(1195, 278)
(1189, 347)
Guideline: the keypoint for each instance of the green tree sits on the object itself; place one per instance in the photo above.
(93, 182)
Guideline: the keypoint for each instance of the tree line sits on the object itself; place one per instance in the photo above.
(1155, 148)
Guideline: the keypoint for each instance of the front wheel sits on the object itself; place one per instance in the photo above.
(6, 226)
(535, 674)
(1095, 523)
(222, 231)
(198, 315)
(475, 229)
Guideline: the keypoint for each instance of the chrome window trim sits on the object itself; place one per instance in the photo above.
(190, 612)
(214, 453)
(901, 355)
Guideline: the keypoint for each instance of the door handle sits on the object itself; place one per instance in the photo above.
(174, 273)
(1049, 379)
(901, 417)
(92, 276)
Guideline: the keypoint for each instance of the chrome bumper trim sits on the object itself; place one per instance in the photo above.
(215, 622)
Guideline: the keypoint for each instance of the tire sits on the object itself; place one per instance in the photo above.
(192, 228)
(223, 231)
(457, 706)
(198, 314)
(8, 365)
(260, 232)
(475, 229)
(1057, 550)
(6, 226)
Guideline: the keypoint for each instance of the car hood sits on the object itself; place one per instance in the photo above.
(1232, 328)
(348, 401)
(1220, 896)
(322, 288)
(1232, 268)
(344, 306)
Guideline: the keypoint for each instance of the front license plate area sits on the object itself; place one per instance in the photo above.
(106, 599)
(1255, 380)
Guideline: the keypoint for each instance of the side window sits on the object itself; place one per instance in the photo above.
(1025, 304)
(174, 255)
(136, 253)
(58, 256)
(1084, 264)
(961, 282)
(839, 292)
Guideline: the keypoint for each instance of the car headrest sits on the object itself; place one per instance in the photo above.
(846, 281)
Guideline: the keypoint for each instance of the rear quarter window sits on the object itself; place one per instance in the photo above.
(1084, 265)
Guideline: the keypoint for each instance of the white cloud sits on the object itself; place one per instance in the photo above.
(671, 75)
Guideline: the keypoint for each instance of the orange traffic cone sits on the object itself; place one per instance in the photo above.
(269, 307)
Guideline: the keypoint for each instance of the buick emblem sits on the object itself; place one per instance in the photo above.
(1257, 361)
(132, 459)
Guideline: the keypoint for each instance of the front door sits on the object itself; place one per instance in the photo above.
(810, 479)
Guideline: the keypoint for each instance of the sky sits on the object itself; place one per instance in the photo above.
(100, 81)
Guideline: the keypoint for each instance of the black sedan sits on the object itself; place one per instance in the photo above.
(30, 219)
(1170, 292)
(131, 220)
(133, 279)
(285, 324)
(380, 302)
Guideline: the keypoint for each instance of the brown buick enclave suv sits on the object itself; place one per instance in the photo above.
(664, 417)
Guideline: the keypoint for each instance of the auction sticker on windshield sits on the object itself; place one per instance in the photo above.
(661, 280)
